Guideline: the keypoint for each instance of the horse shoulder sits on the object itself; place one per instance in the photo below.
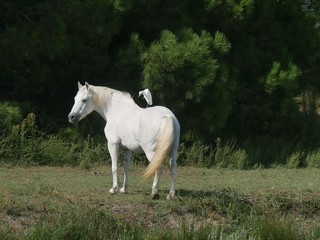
(111, 133)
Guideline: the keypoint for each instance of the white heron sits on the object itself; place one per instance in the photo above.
(147, 96)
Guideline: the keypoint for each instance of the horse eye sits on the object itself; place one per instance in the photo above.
(84, 100)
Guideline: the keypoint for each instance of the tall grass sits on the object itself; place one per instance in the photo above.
(77, 221)
(277, 228)
(227, 155)
(83, 222)
(21, 142)
(24, 144)
(265, 151)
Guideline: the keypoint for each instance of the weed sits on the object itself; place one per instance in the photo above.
(27, 145)
(230, 156)
(274, 228)
(315, 233)
(9, 116)
(226, 202)
(313, 159)
(82, 222)
(295, 160)
(284, 203)
(226, 155)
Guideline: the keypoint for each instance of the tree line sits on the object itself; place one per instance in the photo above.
(232, 69)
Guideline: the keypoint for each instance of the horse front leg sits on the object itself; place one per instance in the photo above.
(114, 151)
(126, 164)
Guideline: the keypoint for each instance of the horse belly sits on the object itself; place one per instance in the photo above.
(132, 145)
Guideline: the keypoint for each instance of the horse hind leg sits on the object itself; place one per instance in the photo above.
(155, 184)
(126, 164)
(173, 171)
(155, 192)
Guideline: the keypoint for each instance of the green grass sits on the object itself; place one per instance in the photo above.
(36, 202)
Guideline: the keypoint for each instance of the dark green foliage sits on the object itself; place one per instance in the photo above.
(51, 45)
(184, 71)
(272, 50)
(25, 144)
(229, 69)
(9, 115)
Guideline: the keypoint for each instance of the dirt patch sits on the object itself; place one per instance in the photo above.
(18, 223)
(149, 217)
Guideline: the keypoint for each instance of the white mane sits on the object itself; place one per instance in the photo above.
(103, 95)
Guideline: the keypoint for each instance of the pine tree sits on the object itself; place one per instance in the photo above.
(188, 75)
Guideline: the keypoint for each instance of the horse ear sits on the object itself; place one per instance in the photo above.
(79, 85)
(87, 85)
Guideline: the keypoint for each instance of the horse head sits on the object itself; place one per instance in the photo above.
(82, 103)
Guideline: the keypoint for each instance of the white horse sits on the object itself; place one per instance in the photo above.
(153, 130)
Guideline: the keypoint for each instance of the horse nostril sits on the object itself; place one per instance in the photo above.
(72, 117)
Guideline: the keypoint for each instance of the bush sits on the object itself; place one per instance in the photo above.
(230, 156)
(56, 151)
(9, 116)
(197, 154)
(313, 159)
(25, 144)
(227, 155)
(295, 160)
(92, 153)
(192, 66)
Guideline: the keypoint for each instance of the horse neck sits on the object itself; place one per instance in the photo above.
(100, 100)
(107, 100)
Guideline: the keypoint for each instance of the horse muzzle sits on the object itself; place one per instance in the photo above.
(73, 118)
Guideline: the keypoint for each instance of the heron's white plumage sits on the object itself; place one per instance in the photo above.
(146, 95)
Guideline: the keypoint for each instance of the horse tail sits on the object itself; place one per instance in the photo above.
(163, 146)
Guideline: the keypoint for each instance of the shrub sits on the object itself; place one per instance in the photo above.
(313, 159)
(56, 151)
(230, 156)
(92, 153)
(21, 144)
(197, 154)
(25, 144)
(295, 160)
(222, 156)
(9, 116)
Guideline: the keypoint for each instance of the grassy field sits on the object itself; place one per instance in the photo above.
(51, 202)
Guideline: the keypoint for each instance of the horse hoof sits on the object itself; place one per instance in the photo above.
(123, 190)
(170, 197)
(156, 196)
(112, 191)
